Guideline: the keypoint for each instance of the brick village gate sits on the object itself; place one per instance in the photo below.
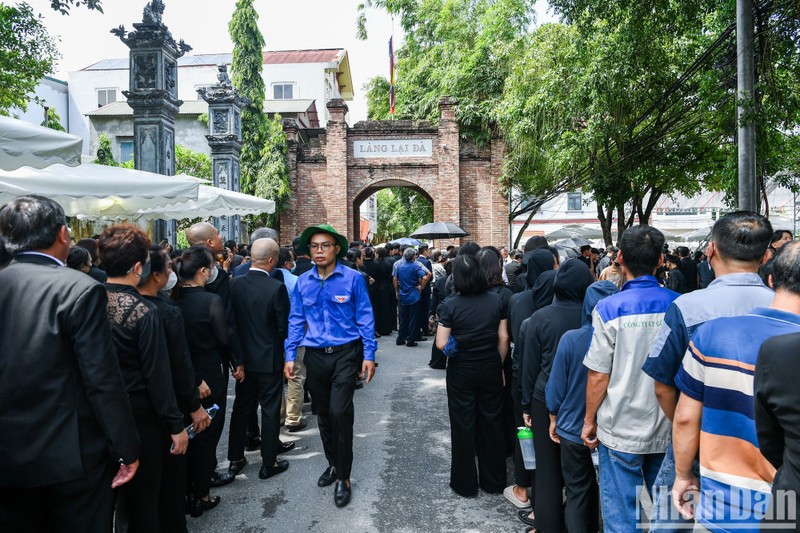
(334, 170)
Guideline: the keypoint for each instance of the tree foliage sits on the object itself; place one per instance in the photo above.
(264, 164)
(52, 120)
(377, 93)
(105, 155)
(192, 163)
(63, 6)
(401, 210)
(27, 54)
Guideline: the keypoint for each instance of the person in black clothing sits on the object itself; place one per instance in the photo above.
(541, 341)
(172, 496)
(391, 300)
(90, 245)
(79, 259)
(674, 280)
(541, 264)
(143, 358)
(208, 335)
(491, 264)
(777, 412)
(302, 262)
(372, 268)
(425, 297)
(688, 267)
(261, 307)
(536, 242)
(474, 317)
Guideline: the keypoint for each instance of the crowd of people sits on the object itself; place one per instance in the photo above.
(645, 373)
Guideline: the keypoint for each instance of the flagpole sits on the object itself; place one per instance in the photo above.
(391, 72)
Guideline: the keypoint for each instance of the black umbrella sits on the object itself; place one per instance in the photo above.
(439, 230)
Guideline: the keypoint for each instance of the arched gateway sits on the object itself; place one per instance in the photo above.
(334, 170)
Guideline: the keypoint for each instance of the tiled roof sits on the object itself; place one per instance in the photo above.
(278, 57)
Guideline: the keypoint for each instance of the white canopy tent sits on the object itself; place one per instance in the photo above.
(211, 202)
(97, 192)
(23, 144)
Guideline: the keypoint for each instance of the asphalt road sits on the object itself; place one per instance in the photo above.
(400, 472)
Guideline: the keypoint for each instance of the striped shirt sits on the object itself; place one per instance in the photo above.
(717, 370)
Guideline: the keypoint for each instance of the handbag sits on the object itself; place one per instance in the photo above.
(450, 349)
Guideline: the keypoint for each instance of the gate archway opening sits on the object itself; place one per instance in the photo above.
(391, 209)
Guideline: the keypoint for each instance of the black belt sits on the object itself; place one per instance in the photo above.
(334, 349)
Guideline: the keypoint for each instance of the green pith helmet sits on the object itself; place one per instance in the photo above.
(322, 228)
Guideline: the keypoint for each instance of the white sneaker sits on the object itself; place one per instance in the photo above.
(509, 495)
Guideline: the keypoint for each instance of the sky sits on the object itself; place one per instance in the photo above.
(85, 38)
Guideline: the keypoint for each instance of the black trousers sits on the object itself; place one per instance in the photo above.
(137, 500)
(258, 388)
(202, 455)
(549, 483)
(331, 382)
(522, 477)
(85, 505)
(474, 401)
(583, 500)
(172, 497)
(408, 331)
(424, 309)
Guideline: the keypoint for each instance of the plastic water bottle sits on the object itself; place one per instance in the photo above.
(212, 411)
(525, 436)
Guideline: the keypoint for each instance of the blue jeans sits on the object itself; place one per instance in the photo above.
(664, 516)
(622, 476)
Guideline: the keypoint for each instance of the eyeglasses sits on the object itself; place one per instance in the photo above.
(324, 245)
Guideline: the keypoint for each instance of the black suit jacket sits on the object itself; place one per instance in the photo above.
(777, 407)
(63, 404)
(261, 308)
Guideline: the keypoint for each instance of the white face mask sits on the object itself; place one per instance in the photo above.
(171, 281)
(213, 276)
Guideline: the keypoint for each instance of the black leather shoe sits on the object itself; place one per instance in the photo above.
(236, 466)
(411, 344)
(359, 385)
(253, 445)
(267, 472)
(297, 427)
(399, 342)
(421, 339)
(327, 477)
(200, 505)
(219, 479)
(341, 494)
(284, 447)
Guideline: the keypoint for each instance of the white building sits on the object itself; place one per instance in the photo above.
(677, 215)
(51, 94)
(303, 80)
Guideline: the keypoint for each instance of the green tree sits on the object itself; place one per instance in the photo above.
(52, 120)
(401, 210)
(27, 54)
(63, 6)
(264, 165)
(105, 155)
(192, 163)
(377, 92)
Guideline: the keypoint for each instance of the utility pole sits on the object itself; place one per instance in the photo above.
(745, 98)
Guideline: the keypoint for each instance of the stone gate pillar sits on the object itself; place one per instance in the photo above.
(447, 202)
(153, 95)
(339, 211)
(225, 140)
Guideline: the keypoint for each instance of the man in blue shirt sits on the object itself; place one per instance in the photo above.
(409, 281)
(331, 316)
(738, 242)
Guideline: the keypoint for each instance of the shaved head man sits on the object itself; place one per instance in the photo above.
(204, 234)
(261, 308)
(264, 253)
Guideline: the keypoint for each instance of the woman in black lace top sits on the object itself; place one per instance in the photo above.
(142, 354)
(207, 333)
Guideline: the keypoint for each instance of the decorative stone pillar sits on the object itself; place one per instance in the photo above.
(153, 95)
(225, 140)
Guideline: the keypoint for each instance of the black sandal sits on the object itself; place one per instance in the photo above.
(200, 505)
(523, 515)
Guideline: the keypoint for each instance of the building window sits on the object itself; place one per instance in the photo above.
(283, 91)
(574, 201)
(106, 96)
(125, 151)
